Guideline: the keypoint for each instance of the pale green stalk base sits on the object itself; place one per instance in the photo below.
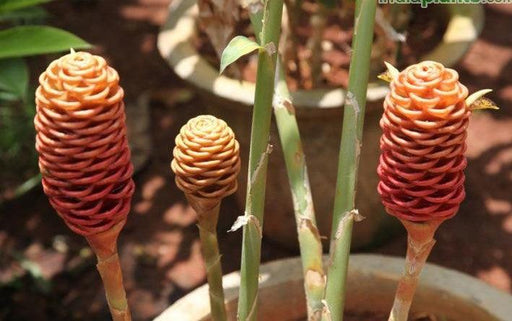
(208, 215)
(420, 243)
(258, 159)
(351, 141)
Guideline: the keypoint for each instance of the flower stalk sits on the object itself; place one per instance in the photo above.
(207, 218)
(258, 159)
(344, 212)
(104, 245)
(420, 242)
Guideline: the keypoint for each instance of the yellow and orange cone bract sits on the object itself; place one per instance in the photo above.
(422, 162)
(206, 163)
(206, 158)
(84, 158)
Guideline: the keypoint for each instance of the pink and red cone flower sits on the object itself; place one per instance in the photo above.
(421, 167)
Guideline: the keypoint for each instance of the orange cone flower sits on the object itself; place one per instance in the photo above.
(206, 158)
(423, 142)
(81, 140)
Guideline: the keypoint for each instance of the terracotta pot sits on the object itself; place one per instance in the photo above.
(372, 280)
(319, 114)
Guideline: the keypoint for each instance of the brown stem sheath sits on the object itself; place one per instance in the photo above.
(420, 243)
(104, 245)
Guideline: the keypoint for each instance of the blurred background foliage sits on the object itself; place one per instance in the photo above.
(23, 34)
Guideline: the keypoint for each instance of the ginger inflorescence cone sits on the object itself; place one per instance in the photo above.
(85, 160)
(422, 162)
(206, 158)
(206, 163)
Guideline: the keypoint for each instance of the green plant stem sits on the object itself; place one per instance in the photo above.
(258, 159)
(351, 138)
(208, 215)
(309, 237)
(420, 241)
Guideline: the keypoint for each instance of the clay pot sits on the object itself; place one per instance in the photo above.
(319, 114)
(371, 284)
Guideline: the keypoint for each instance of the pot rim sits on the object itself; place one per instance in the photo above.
(496, 303)
(174, 46)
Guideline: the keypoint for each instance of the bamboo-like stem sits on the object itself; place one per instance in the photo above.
(258, 159)
(318, 23)
(351, 140)
(104, 245)
(208, 214)
(309, 237)
(419, 244)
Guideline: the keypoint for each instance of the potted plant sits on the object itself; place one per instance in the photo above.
(421, 179)
(317, 111)
(85, 163)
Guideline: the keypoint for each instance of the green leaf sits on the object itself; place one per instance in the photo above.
(25, 15)
(329, 3)
(10, 5)
(7, 97)
(14, 76)
(35, 40)
(29, 104)
(236, 48)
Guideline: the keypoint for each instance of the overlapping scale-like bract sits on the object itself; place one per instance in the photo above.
(421, 167)
(206, 158)
(81, 139)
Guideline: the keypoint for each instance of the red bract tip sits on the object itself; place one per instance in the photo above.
(421, 167)
(81, 140)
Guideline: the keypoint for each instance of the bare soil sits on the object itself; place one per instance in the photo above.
(48, 273)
